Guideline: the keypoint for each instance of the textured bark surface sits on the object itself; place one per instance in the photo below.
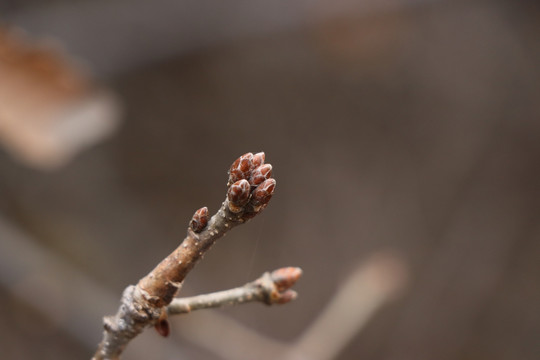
(161, 285)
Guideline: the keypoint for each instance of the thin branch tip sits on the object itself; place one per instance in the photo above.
(270, 289)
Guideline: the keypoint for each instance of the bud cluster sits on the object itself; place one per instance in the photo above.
(250, 188)
(250, 183)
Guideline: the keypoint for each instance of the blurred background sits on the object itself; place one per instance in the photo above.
(405, 140)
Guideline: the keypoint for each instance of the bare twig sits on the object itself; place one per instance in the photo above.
(270, 288)
(250, 188)
(375, 282)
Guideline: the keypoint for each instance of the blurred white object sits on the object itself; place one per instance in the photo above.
(49, 109)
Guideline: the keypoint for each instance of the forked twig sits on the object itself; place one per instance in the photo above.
(250, 188)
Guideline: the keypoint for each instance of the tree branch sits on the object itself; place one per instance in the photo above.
(270, 288)
(250, 188)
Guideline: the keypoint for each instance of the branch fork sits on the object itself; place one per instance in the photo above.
(250, 188)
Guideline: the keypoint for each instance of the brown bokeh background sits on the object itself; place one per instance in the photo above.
(413, 126)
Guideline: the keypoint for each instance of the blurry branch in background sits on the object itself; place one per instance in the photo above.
(372, 284)
(49, 108)
(63, 294)
(25, 266)
(250, 188)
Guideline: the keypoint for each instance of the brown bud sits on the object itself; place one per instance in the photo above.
(260, 174)
(238, 195)
(163, 328)
(241, 168)
(285, 278)
(162, 325)
(199, 220)
(287, 296)
(258, 160)
(263, 193)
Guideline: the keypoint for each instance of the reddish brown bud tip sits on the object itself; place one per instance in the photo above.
(286, 297)
(162, 327)
(199, 220)
(285, 278)
(241, 168)
(260, 174)
(263, 193)
(258, 160)
(238, 195)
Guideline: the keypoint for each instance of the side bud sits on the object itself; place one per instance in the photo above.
(199, 220)
(261, 173)
(238, 195)
(241, 168)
